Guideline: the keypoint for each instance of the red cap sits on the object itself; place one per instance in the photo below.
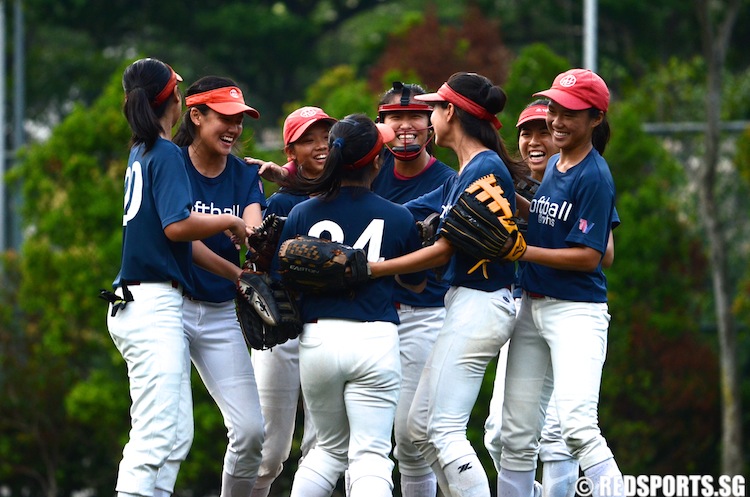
(227, 100)
(298, 121)
(578, 89)
(532, 113)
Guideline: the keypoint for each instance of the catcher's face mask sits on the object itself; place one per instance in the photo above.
(407, 148)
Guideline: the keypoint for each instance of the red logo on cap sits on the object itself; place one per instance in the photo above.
(568, 81)
(234, 93)
(307, 113)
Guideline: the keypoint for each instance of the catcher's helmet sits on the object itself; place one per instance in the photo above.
(406, 152)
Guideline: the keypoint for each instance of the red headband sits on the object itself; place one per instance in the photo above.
(167, 90)
(385, 134)
(473, 108)
(376, 149)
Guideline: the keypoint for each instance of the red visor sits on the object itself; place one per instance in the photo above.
(227, 100)
(533, 113)
(447, 94)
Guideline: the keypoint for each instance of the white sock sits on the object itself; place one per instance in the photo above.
(442, 481)
(419, 486)
(559, 478)
(611, 485)
(231, 486)
(466, 477)
(308, 483)
(515, 483)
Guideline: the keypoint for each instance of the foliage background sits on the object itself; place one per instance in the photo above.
(63, 386)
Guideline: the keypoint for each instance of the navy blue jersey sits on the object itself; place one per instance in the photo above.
(361, 219)
(157, 194)
(573, 208)
(400, 189)
(238, 186)
(282, 201)
(499, 275)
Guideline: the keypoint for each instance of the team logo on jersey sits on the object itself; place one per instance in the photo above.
(204, 208)
(568, 81)
(549, 212)
(584, 226)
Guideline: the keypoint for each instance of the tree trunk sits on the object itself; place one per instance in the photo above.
(717, 20)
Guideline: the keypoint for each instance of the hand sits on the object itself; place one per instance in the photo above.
(237, 232)
(270, 170)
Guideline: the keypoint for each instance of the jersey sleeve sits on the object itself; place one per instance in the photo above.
(430, 202)
(173, 198)
(595, 215)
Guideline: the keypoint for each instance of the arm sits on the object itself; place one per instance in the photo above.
(273, 172)
(199, 225)
(522, 207)
(577, 258)
(211, 261)
(435, 255)
(252, 216)
(609, 254)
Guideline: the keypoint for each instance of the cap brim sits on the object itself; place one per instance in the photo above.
(233, 108)
(429, 97)
(526, 119)
(564, 98)
(386, 132)
(301, 130)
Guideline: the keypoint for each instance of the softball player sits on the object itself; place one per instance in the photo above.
(305, 135)
(221, 182)
(560, 468)
(559, 345)
(408, 172)
(480, 310)
(145, 317)
(348, 352)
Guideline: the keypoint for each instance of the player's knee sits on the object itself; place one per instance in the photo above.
(250, 436)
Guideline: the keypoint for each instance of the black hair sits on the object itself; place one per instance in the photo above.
(600, 135)
(481, 91)
(186, 132)
(349, 141)
(404, 90)
(142, 81)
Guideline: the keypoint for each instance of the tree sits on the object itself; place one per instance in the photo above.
(717, 20)
(433, 51)
(64, 392)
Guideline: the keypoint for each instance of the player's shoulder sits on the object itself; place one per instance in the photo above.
(282, 201)
(164, 147)
(443, 169)
(387, 208)
(240, 167)
(164, 152)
